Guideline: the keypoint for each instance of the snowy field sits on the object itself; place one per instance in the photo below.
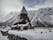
(34, 34)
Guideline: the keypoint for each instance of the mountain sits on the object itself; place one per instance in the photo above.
(44, 16)
(9, 19)
(32, 13)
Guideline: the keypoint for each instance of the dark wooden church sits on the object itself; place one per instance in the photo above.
(25, 19)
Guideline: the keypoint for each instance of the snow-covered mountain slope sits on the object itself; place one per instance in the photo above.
(43, 15)
(32, 13)
(9, 19)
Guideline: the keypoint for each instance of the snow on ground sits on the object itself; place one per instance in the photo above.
(34, 34)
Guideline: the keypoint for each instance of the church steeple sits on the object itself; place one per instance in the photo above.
(23, 11)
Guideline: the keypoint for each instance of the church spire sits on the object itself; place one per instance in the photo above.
(23, 10)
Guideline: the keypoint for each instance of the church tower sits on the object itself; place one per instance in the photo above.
(24, 14)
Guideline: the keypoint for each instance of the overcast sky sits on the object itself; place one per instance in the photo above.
(15, 5)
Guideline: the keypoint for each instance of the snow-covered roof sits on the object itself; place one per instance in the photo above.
(22, 25)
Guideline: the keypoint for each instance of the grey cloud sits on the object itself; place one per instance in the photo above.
(46, 3)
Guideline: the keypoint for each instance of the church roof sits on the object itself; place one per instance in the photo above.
(24, 10)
